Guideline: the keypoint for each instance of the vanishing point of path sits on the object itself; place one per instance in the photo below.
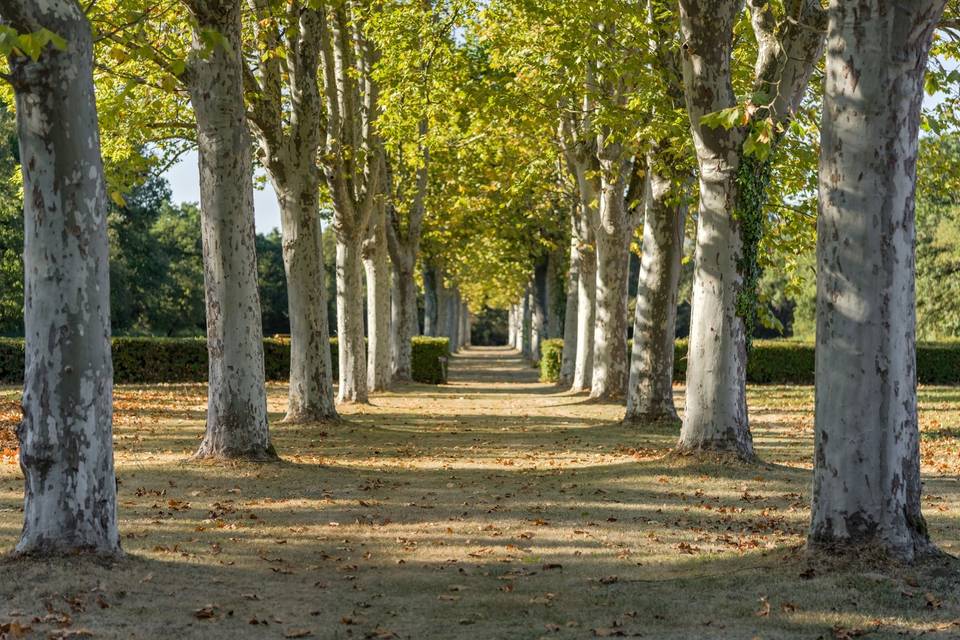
(491, 507)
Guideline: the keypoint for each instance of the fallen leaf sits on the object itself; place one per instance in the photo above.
(207, 612)
(764, 609)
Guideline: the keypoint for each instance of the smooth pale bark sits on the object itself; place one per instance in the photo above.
(612, 234)
(403, 242)
(650, 391)
(587, 283)
(453, 318)
(351, 346)
(512, 326)
(586, 315)
(866, 490)
(354, 166)
(236, 396)
(715, 416)
(404, 322)
(555, 296)
(464, 325)
(526, 321)
(570, 319)
(66, 446)
(538, 308)
(431, 303)
(310, 393)
(376, 262)
(288, 153)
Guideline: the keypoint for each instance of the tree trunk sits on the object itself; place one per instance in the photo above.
(453, 318)
(291, 94)
(376, 261)
(310, 395)
(236, 397)
(430, 302)
(526, 318)
(866, 490)
(569, 359)
(512, 326)
(650, 392)
(351, 347)
(538, 309)
(66, 446)
(733, 191)
(464, 325)
(715, 415)
(404, 322)
(610, 364)
(443, 307)
(586, 316)
(555, 297)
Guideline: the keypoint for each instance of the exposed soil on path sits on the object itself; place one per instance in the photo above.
(491, 507)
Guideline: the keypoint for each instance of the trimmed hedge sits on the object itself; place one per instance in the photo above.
(152, 360)
(790, 362)
(429, 359)
(551, 358)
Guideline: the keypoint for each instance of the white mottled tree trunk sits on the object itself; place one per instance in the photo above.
(66, 446)
(866, 490)
(464, 325)
(512, 326)
(526, 324)
(288, 150)
(404, 321)
(376, 262)
(453, 318)
(650, 391)
(351, 347)
(715, 416)
(612, 235)
(310, 394)
(569, 358)
(553, 296)
(538, 308)
(586, 317)
(236, 397)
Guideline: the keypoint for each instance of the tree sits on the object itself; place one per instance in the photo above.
(376, 262)
(866, 489)
(353, 166)
(734, 145)
(236, 395)
(66, 448)
(650, 391)
(669, 178)
(287, 116)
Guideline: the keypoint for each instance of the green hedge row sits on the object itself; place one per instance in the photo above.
(787, 362)
(429, 359)
(150, 360)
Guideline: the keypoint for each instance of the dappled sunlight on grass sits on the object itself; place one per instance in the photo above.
(495, 506)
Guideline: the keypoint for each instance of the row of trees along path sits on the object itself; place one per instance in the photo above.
(867, 473)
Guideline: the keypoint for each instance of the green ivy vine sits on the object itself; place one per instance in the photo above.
(753, 178)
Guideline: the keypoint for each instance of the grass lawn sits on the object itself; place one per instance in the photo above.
(492, 507)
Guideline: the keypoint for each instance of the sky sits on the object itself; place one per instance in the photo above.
(184, 178)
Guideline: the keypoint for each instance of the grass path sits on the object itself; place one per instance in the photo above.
(492, 507)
